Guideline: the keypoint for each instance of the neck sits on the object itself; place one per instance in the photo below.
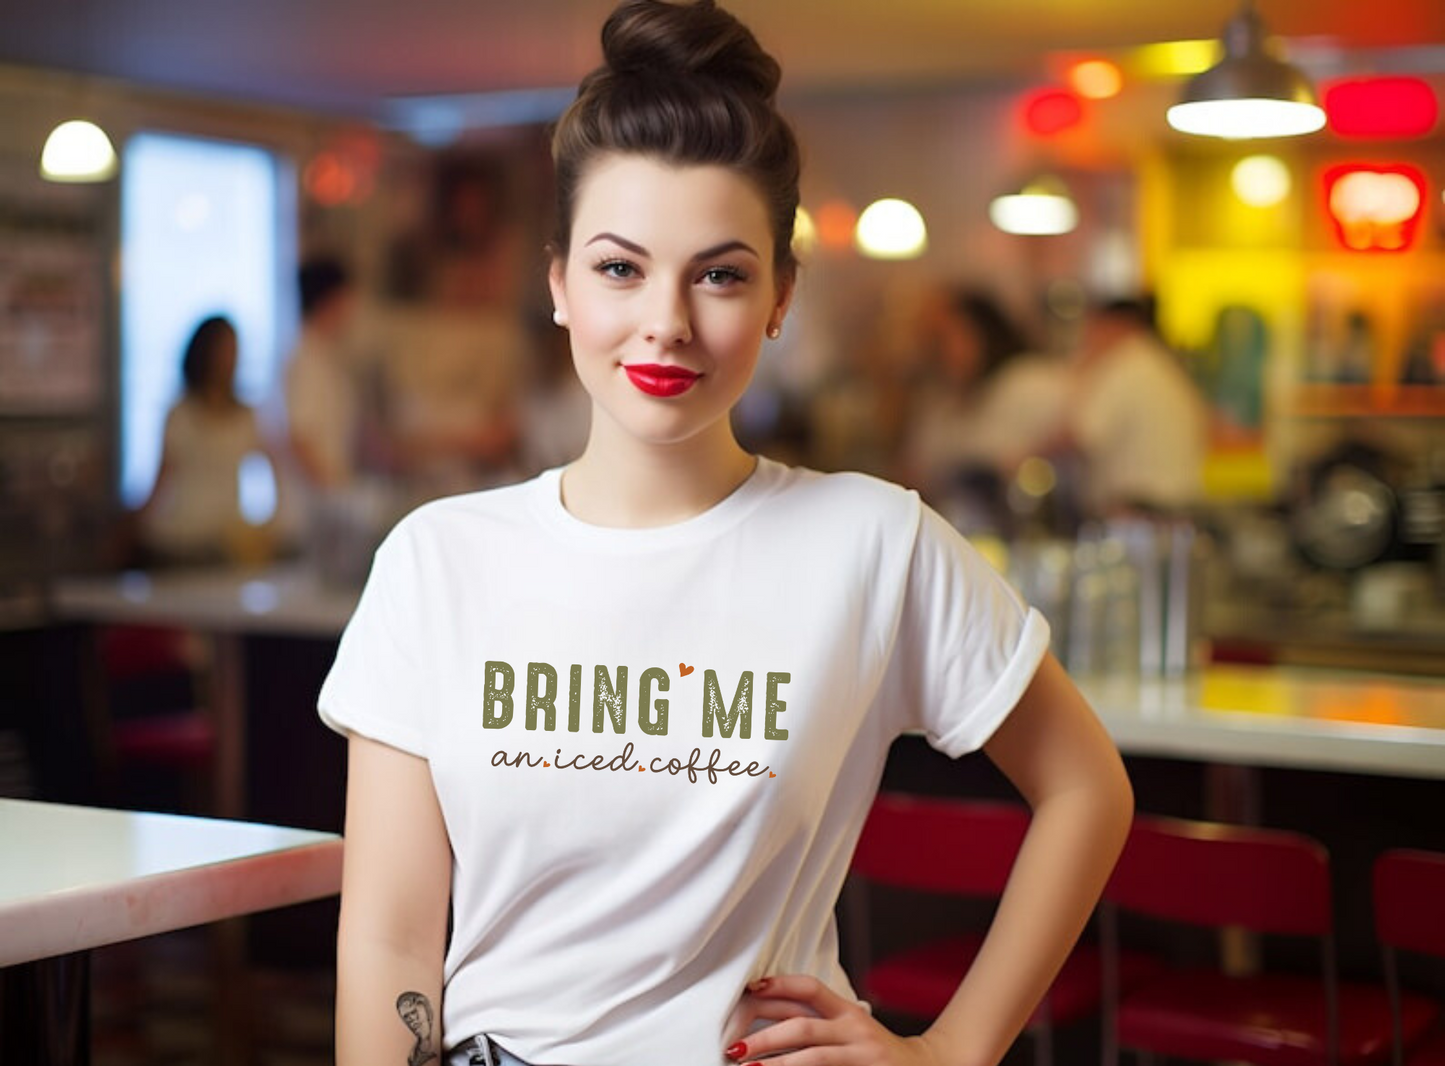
(623, 482)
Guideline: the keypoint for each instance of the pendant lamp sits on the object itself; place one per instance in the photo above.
(1042, 208)
(1249, 93)
(77, 151)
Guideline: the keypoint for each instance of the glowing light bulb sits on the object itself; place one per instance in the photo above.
(891, 229)
(1096, 79)
(1260, 180)
(77, 151)
(1239, 120)
(1042, 209)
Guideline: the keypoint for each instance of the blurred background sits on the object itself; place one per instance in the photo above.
(1296, 280)
(1187, 391)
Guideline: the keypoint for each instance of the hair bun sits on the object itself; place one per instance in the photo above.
(654, 38)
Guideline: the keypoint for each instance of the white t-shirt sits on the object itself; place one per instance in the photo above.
(199, 506)
(612, 896)
(1142, 427)
(323, 408)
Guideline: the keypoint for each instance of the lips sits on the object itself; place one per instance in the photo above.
(658, 380)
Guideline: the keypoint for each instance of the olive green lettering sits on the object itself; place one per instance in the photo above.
(656, 727)
(609, 699)
(742, 706)
(574, 698)
(774, 707)
(497, 691)
(545, 701)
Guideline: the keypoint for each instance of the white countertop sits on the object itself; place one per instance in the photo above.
(74, 878)
(1280, 716)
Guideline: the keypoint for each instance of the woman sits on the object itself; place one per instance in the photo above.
(194, 511)
(628, 717)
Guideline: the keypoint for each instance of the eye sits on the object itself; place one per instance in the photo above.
(723, 275)
(620, 269)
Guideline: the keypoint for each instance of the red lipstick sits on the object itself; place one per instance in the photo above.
(658, 380)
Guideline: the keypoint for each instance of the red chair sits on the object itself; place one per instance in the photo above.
(1272, 882)
(961, 848)
(1410, 916)
(182, 741)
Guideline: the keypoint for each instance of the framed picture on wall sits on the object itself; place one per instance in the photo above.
(52, 306)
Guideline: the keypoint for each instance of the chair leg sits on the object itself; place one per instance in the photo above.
(1109, 956)
(1044, 1045)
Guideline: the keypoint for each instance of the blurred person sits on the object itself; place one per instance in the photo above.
(323, 403)
(1136, 419)
(194, 511)
(993, 402)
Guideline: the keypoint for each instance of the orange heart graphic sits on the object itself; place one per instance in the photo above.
(771, 774)
(684, 669)
(545, 763)
(641, 769)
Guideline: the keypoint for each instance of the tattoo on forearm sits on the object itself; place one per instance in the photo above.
(415, 1010)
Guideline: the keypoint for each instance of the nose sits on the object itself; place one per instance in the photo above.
(668, 321)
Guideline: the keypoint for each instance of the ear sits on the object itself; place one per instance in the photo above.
(556, 281)
(786, 286)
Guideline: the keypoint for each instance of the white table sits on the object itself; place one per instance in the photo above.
(77, 878)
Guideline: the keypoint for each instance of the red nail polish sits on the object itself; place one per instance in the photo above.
(737, 1051)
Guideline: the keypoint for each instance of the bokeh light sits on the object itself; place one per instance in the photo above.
(1260, 180)
(891, 229)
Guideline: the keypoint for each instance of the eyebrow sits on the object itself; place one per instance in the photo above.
(706, 253)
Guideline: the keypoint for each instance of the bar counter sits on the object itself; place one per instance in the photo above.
(1298, 717)
(1295, 717)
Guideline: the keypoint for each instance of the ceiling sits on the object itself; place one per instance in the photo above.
(350, 56)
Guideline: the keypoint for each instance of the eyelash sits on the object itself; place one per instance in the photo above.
(622, 270)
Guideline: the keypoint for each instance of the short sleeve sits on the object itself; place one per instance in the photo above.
(966, 647)
(379, 686)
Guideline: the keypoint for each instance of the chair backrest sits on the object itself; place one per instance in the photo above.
(1209, 873)
(966, 847)
(1410, 901)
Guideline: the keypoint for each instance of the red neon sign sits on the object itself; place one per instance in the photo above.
(1050, 111)
(1375, 208)
(1381, 107)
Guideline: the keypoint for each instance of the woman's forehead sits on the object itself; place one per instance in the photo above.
(672, 205)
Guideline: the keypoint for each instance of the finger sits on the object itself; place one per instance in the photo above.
(814, 1056)
(804, 988)
(750, 1010)
(790, 1035)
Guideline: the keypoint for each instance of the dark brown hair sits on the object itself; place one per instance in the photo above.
(198, 363)
(689, 84)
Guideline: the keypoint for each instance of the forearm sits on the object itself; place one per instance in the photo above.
(395, 884)
(1065, 860)
(371, 1024)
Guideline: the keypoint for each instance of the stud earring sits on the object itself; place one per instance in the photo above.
(559, 319)
(774, 332)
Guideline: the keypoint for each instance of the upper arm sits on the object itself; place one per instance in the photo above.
(1052, 742)
(396, 878)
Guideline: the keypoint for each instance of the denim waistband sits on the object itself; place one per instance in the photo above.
(482, 1050)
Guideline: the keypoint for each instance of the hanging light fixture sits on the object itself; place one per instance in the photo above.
(1042, 208)
(78, 150)
(1249, 93)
